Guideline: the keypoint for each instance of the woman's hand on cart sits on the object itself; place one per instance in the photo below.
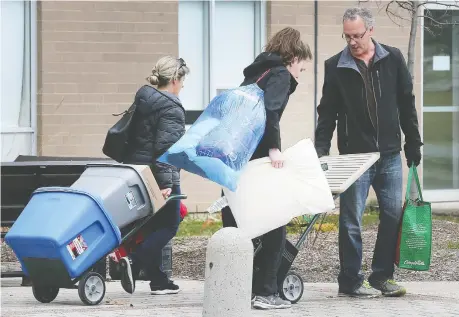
(166, 192)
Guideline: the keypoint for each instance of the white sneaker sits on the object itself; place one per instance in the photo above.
(271, 302)
(364, 291)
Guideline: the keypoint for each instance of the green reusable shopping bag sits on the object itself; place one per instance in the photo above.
(415, 235)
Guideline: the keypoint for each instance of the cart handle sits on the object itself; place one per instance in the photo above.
(176, 197)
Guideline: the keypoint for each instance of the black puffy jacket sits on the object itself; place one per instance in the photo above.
(278, 84)
(158, 122)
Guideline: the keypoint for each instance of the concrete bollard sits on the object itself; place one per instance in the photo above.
(228, 274)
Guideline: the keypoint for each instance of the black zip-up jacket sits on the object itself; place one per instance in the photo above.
(278, 84)
(344, 101)
(158, 122)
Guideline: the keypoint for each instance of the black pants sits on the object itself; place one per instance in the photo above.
(268, 259)
(163, 228)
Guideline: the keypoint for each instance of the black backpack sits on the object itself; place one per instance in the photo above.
(116, 141)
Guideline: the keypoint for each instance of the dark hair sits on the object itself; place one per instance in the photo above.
(288, 44)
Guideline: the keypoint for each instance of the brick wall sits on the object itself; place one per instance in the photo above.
(93, 55)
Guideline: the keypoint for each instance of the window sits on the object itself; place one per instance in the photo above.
(441, 105)
(17, 97)
(216, 47)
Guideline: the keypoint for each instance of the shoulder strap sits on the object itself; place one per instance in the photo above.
(130, 110)
(263, 75)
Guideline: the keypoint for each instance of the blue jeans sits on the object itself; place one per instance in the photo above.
(386, 178)
(163, 228)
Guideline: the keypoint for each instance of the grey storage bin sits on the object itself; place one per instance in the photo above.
(121, 190)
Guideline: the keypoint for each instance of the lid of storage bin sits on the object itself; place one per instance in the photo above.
(81, 192)
(149, 182)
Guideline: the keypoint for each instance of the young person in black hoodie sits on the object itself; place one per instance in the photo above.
(159, 122)
(284, 59)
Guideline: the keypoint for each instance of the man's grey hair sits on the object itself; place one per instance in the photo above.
(364, 13)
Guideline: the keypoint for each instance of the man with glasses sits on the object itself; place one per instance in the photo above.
(368, 95)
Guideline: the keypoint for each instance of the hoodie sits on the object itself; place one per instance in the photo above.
(158, 122)
(278, 84)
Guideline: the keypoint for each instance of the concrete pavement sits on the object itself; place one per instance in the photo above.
(436, 299)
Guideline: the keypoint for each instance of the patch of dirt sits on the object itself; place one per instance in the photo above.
(319, 262)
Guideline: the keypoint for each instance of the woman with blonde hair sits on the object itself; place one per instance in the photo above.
(158, 122)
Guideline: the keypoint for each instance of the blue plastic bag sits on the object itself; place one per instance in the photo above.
(222, 140)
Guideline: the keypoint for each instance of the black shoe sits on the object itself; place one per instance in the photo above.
(169, 288)
(127, 279)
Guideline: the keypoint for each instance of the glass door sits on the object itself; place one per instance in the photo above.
(441, 106)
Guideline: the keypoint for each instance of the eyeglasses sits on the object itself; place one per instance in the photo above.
(348, 38)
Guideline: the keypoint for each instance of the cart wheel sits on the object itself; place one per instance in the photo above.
(292, 288)
(91, 288)
(45, 294)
